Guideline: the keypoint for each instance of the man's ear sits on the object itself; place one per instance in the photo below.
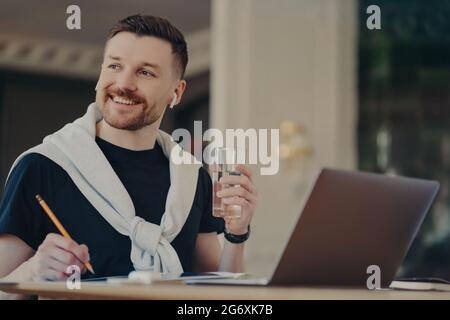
(179, 90)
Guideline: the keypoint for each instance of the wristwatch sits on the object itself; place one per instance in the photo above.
(233, 238)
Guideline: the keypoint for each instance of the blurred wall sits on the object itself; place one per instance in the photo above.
(33, 106)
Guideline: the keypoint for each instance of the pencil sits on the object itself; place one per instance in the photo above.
(59, 226)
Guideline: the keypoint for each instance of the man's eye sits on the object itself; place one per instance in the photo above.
(147, 73)
(113, 66)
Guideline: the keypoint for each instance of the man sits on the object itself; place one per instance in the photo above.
(109, 179)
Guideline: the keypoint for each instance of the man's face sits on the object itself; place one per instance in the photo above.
(137, 80)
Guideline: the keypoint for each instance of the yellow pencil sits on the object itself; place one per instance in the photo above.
(59, 226)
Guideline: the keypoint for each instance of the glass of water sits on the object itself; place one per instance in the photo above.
(223, 164)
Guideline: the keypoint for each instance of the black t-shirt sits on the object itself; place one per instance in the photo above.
(146, 177)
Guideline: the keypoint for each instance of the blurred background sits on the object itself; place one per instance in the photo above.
(341, 94)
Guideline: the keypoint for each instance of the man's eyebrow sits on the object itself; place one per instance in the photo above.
(144, 64)
(114, 58)
(149, 64)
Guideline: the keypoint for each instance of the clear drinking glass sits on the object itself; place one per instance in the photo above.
(223, 164)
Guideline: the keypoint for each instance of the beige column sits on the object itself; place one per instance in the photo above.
(295, 60)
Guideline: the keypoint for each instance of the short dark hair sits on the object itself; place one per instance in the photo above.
(146, 25)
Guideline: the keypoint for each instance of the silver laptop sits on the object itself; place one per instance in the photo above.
(350, 221)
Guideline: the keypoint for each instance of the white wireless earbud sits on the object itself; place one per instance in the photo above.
(173, 101)
(96, 86)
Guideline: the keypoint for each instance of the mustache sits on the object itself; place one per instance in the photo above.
(125, 94)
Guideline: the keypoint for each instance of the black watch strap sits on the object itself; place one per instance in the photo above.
(233, 238)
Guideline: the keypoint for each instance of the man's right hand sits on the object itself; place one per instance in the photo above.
(55, 255)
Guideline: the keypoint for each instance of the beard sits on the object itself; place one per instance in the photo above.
(131, 117)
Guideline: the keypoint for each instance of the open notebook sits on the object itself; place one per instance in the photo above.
(422, 284)
(147, 277)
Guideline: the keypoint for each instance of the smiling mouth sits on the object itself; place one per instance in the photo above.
(124, 101)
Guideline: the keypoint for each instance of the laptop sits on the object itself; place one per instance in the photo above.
(350, 221)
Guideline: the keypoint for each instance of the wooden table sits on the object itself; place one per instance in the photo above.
(181, 291)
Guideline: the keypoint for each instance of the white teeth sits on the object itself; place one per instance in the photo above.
(123, 100)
